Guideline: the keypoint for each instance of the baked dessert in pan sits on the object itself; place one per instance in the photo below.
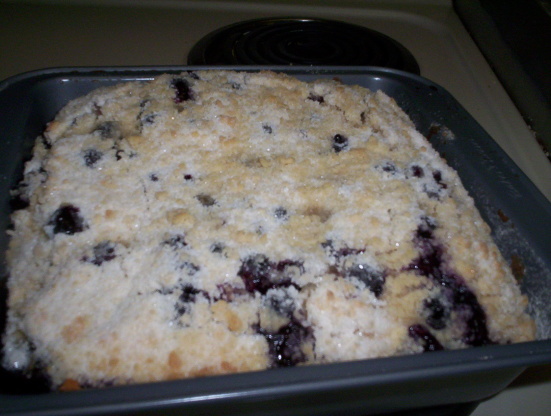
(217, 221)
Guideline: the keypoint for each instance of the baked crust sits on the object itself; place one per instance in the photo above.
(216, 222)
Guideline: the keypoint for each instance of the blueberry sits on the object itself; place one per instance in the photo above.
(317, 98)
(176, 241)
(340, 142)
(229, 292)
(91, 157)
(104, 251)
(425, 229)
(217, 248)
(348, 251)
(372, 278)
(417, 171)
(259, 274)
(281, 213)
(190, 268)
(188, 295)
(109, 130)
(468, 307)
(328, 246)
(67, 220)
(436, 313)
(388, 167)
(422, 335)
(285, 344)
(437, 176)
(342, 252)
(255, 272)
(431, 263)
(183, 90)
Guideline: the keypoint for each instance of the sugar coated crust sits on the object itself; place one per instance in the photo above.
(214, 222)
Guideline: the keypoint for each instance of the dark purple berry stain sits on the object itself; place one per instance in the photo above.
(372, 278)
(431, 263)
(436, 313)
(176, 241)
(206, 200)
(317, 98)
(259, 274)
(229, 292)
(190, 268)
(281, 213)
(109, 130)
(340, 143)
(437, 176)
(102, 252)
(188, 177)
(425, 229)
(183, 90)
(217, 248)
(388, 167)
(417, 171)
(188, 295)
(424, 337)
(92, 157)
(285, 344)
(67, 220)
(342, 252)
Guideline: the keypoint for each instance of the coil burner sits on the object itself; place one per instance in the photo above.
(298, 41)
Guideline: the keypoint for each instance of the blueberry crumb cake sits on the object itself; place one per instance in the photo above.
(216, 221)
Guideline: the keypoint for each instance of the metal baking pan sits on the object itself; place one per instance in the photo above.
(518, 213)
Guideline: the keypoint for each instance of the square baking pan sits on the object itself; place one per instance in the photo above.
(517, 212)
